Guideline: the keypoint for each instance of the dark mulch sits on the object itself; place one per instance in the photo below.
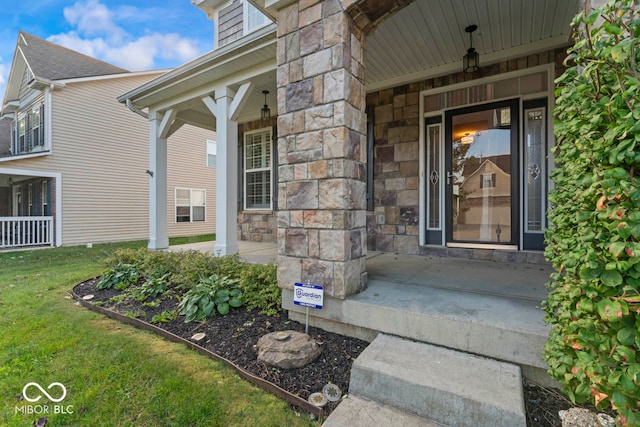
(234, 336)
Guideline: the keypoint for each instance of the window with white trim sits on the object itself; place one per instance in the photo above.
(257, 169)
(190, 205)
(254, 18)
(211, 153)
(27, 132)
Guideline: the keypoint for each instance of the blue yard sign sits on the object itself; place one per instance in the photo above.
(308, 295)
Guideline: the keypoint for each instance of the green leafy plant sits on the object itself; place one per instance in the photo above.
(259, 284)
(593, 241)
(151, 288)
(119, 277)
(212, 294)
(165, 316)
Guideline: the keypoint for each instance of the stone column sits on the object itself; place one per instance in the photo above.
(321, 149)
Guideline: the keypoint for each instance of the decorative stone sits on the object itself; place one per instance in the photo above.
(87, 297)
(318, 399)
(296, 351)
(198, 337)
(580, 417)
(332, 392)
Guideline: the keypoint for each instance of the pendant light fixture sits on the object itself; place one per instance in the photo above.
(471, 60)
(265, 112)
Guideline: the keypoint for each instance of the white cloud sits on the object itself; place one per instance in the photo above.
(4, 71)
(93, 18)
(98, 33)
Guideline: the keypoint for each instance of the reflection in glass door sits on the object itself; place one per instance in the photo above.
(481, 174)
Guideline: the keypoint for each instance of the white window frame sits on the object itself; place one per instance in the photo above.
(191, 204)
(267, 167)
(23, 130)
(212, 151)
(249, 8)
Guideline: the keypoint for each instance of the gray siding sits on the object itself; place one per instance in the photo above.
(230, 23)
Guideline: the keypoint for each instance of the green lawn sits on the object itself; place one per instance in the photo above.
(115, 375)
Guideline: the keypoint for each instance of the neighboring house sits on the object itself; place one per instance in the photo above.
(388, 137)
(73, 161)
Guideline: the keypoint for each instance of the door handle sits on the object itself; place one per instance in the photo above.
(449, 176)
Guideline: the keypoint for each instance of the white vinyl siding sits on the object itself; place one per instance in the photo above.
(101, 149)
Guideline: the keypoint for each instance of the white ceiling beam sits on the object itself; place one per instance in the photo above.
(167, 120)
(239, 99)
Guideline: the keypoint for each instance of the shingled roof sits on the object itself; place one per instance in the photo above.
(50, 61)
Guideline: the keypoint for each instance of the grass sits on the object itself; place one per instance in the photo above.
(192, 239)
(115, 375)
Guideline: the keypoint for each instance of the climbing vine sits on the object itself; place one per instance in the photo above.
(593, 241)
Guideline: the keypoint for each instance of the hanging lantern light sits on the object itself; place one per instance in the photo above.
(471, 60)
(265, 112)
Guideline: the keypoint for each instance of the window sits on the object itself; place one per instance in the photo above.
(211, 153)
(488, 180)
(190, 205)
(257, 169)
(255, 18)
(45, 198)
(27, 133)
(30, 199)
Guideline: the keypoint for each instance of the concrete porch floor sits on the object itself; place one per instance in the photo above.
(519, 281)
(486, 308)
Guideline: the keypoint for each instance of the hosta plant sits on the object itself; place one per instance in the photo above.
(593, 240)
(211, 294)
(119, 277)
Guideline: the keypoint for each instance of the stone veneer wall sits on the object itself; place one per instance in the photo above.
(393, 224)
(321, 148)
(256, 226)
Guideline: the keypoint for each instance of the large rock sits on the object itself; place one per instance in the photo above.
(293, 351)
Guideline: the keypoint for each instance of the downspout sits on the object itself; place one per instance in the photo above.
(136, 109)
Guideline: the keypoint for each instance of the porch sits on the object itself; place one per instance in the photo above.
(487, 308)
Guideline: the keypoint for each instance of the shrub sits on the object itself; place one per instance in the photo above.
(259, 284)
(192, 267)
(594, 236)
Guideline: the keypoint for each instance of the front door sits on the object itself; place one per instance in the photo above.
(481, 167)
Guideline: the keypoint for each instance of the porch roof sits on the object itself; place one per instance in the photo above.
(431, 34)
(251, 58)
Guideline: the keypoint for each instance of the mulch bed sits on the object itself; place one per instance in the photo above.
(235, 335)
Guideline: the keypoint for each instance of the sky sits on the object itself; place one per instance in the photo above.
(132, 34)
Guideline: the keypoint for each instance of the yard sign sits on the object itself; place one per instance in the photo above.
(308, 295)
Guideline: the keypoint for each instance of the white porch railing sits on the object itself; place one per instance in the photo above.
(18, 231)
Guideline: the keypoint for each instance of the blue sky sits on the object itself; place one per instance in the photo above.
(132, 34)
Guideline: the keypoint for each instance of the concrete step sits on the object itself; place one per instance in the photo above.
(355, 411)
(492, 326)
(444, 386)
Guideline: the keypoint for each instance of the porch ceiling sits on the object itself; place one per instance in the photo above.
(427, 37)
(424, 39)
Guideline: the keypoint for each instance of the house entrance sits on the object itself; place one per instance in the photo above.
(481, 167)
(486, 155)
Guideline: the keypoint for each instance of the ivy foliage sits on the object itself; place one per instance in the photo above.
(593, 241)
